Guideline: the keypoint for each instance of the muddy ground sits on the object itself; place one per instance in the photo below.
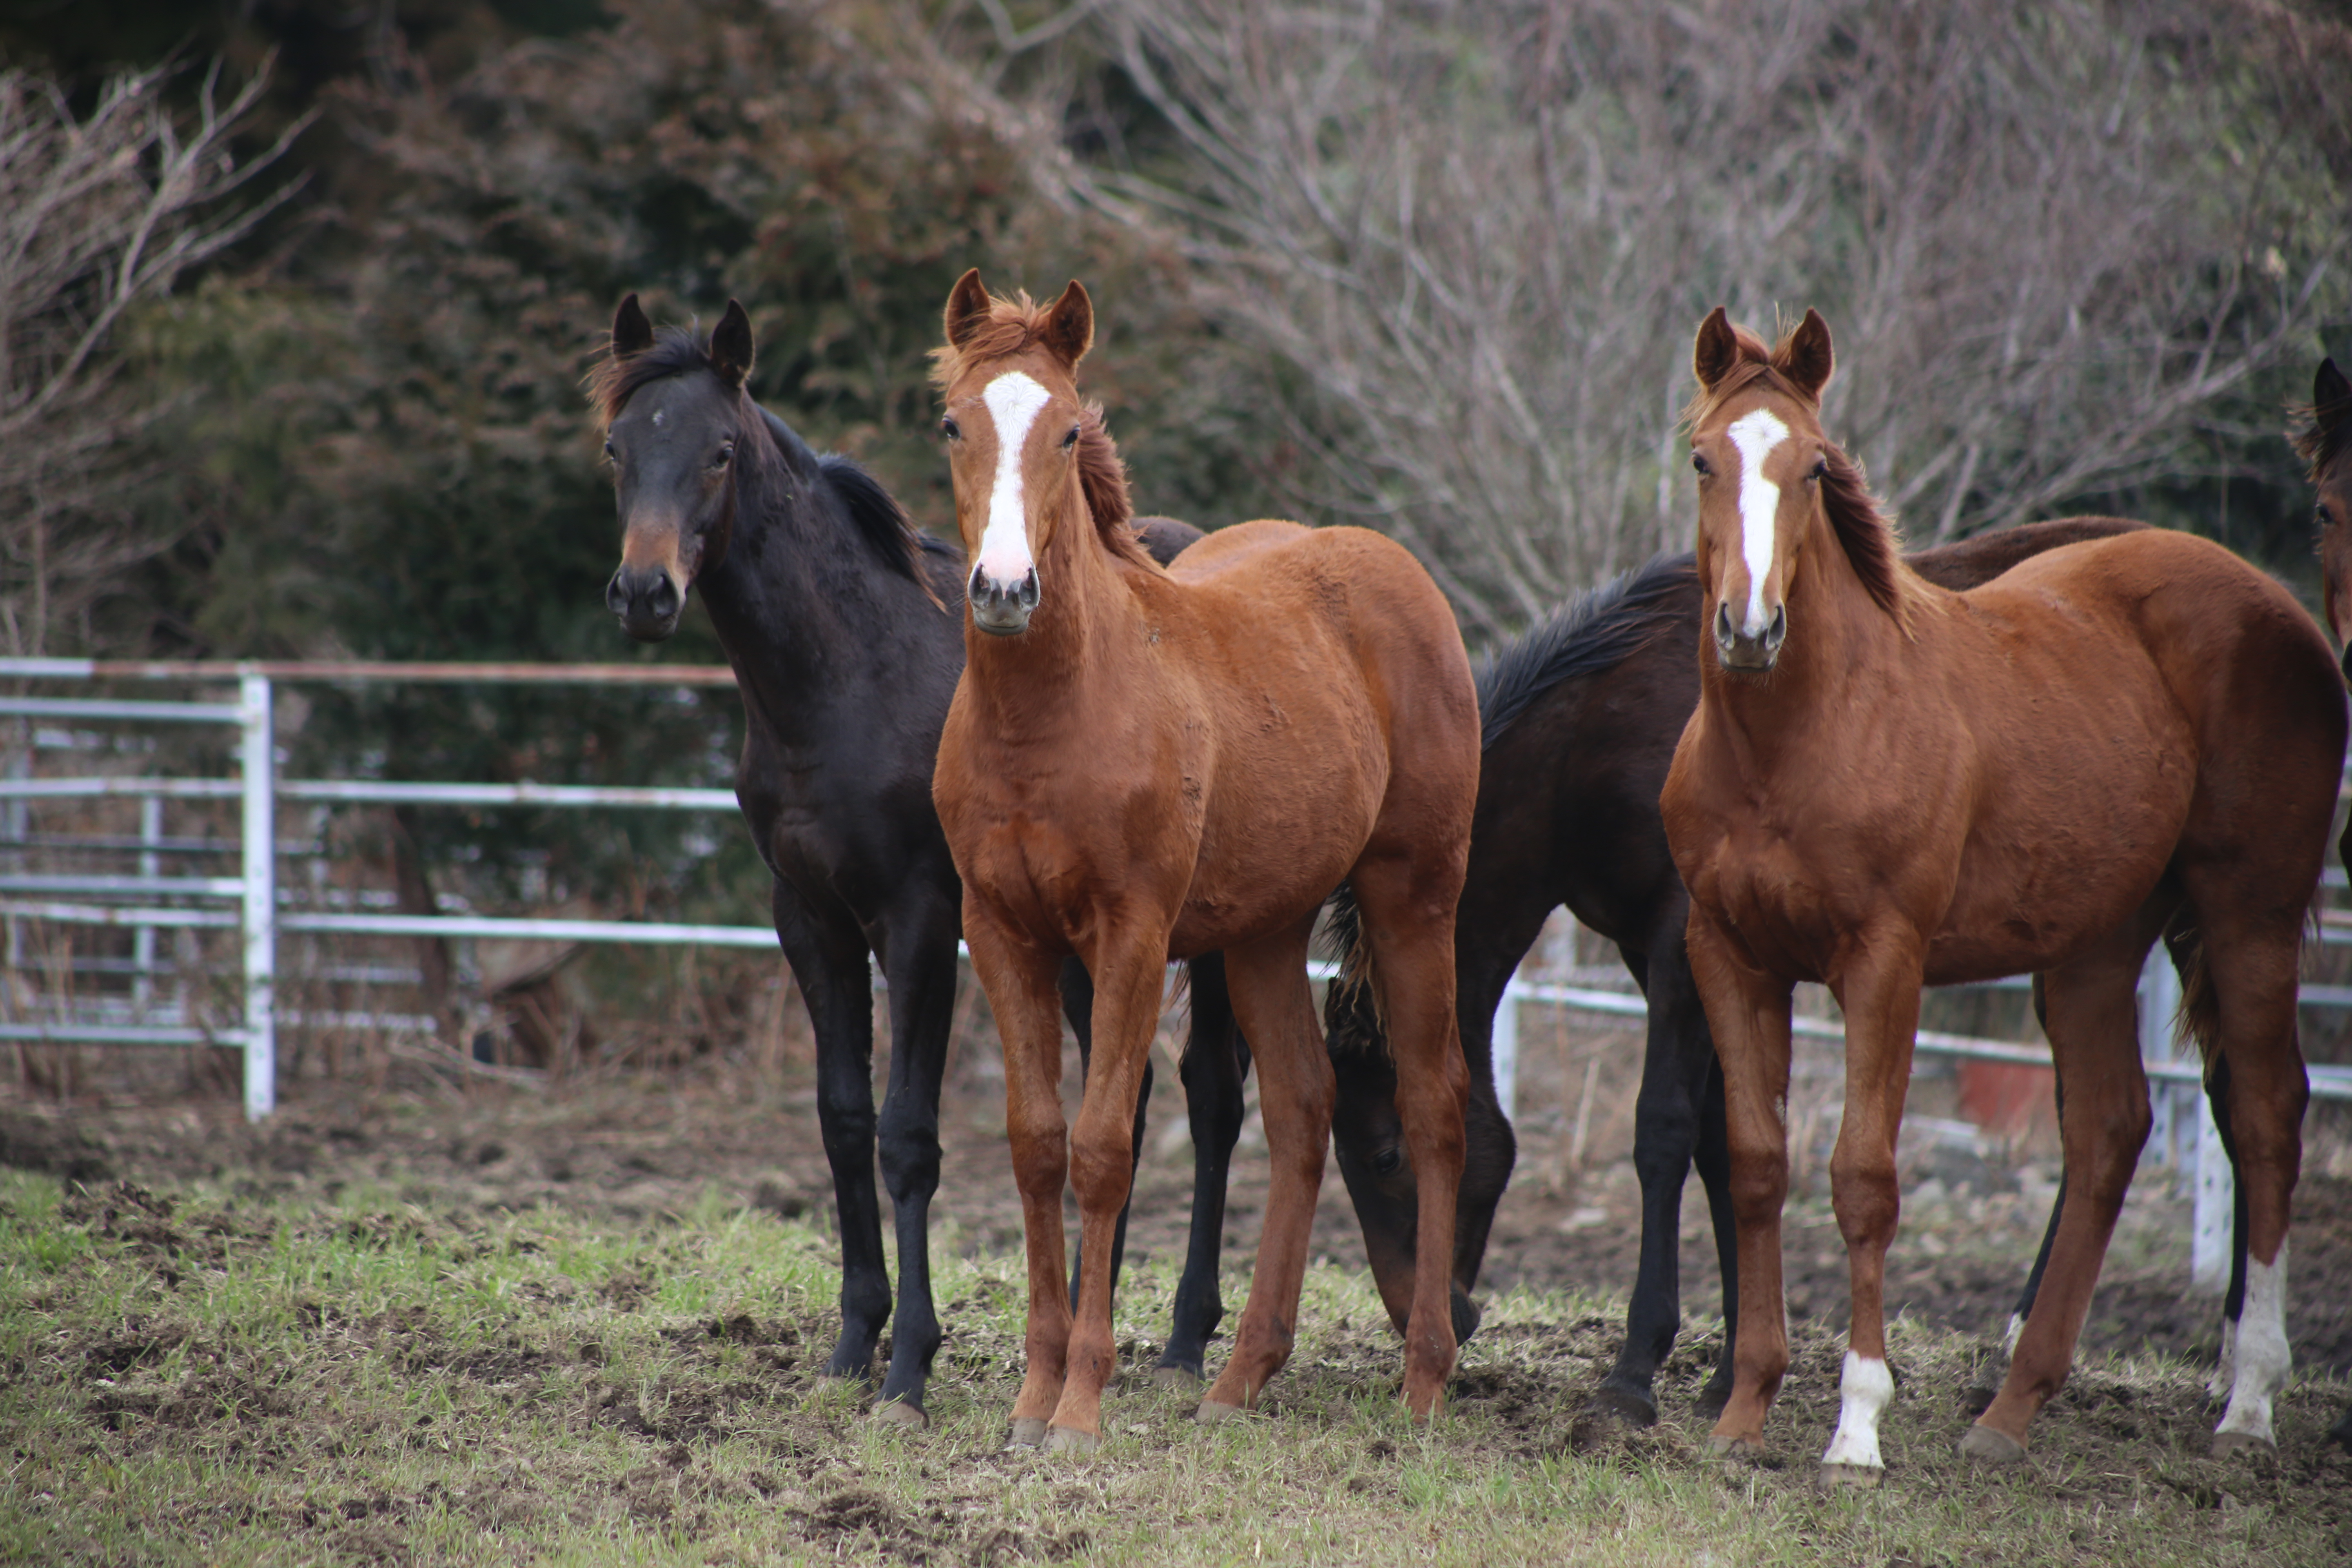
(637, 1147)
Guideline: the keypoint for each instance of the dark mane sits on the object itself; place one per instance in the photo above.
(1871, 540)
(1012, 327)
(1596, 631)
(876, 516)
(2327, 437)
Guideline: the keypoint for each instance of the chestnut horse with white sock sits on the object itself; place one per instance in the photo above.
(1887, 784)
(1143, 764)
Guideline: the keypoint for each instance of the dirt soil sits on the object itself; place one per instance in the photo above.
(640, 1148)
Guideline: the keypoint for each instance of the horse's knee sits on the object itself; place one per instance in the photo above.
(910, 1154)
(1758, 1184)
(1862, 1193)
(1102, 1163)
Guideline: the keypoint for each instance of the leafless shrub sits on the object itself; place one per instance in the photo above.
(98, 212)
(1476, 239)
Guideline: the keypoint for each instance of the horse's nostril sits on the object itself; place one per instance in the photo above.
(662, 600)
(616, 597)
(1722, 625)
(1779, 630)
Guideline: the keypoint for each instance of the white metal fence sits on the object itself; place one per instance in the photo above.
(249, 901)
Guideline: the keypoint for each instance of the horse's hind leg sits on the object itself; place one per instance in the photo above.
(828, 960)
(1215, 1060)
(920, 960)
(2250, 962)
(1408, 900)
(2103, 1121)
(1079, 1006)
(1267, 981)
(1993, 1370)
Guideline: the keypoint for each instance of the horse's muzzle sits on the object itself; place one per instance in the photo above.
(647, 600)
(1738, 651)
(999, 610)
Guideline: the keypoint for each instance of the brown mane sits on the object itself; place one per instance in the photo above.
(1011, 328)
(2327, 437)
(1872, 540)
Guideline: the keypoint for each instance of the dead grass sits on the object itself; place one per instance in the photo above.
(192, 1377)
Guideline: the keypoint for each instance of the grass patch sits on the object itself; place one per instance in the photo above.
(193, 1378)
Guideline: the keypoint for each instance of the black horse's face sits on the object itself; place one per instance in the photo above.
(673, 451)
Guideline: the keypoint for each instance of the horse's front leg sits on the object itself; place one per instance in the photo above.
(827, 955)
(1128, 968)
(1880, 993)
(920, 964)
(1019, 979)
(1748, 1012)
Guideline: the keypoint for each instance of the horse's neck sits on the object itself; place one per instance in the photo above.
(778, 618)
(1031, 684)
(1842, 658)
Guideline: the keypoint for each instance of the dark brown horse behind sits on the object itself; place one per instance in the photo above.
(1142, 764)
(1887, 784)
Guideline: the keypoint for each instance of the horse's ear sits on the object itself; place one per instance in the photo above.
(2331, 396)
(632, 332)
(967, 308)
(1068, 330)
(730, 346)
(1717, 351)
(1807, 357)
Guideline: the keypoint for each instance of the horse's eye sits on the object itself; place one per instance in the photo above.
(1700, 464)
(1071, 440)
(725, 455)
(2326, 518)
(950, 429)
(610, 452)
(1820, 471)
(1389, 1161)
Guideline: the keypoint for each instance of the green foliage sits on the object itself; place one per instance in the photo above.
(388, 455)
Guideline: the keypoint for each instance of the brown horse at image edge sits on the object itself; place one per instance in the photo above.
(1143, 763)
(1886, 784)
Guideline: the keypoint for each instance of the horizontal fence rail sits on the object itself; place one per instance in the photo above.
(263, 911)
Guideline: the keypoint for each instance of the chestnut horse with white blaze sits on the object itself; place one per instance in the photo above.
(1887, 784)
(1143, 764)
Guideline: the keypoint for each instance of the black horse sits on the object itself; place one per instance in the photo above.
(843, 623)
(1580, 717)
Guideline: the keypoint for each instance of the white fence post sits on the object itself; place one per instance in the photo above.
(260, 829)
(2159, 999)
(2217, 1203)
(1505, 1050)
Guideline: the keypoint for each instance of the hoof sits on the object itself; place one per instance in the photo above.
(1213, 1411)
(1170, 1375)
(1026, 1434)
(1859, 1477)
(1070, 1440)
(901, 1413)
(1990, 1446)
(1734, 1448)
(1620, 1407)
(2228, 1443)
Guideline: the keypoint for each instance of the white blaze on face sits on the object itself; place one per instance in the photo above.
(1014, 401)
(2262, 1360)
(1863, 1393)
(1754, 435)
